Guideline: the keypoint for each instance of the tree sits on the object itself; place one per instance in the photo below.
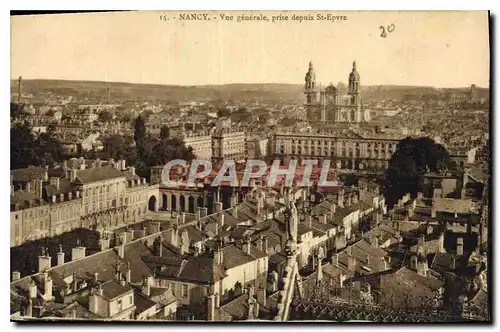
(140, 137)
(105, 116)
(223, 113)
(22, 146)
(164, 132)
(16, 110)
(169, 149)
(49, 149)
(117, 147)
(413, 158)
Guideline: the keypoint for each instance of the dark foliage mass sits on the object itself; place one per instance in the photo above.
(24, 258)
(29, 149)
(413, 158)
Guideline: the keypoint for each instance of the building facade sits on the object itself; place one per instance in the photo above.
(347, 150)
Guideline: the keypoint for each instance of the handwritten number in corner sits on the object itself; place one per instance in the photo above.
(383, 34)
(390, 28)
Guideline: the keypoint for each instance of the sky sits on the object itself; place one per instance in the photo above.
(440, 49)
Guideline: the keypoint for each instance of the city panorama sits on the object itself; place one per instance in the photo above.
(198, 166)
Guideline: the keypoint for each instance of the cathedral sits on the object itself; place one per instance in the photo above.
(333, 106)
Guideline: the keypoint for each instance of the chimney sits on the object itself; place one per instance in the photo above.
(19, 90)
(146, 288)
(48, 285)
(105, 242)
(218, 257)
(77, 193)
(121, 249)
(221, 218)
(141, 232)
(351, 263)
(368, 260)
(383, 264)
(234, 200)
(262, 296)
(217, 206)
(39, 188)
(128, 273)
(183, 217)
(73, 174)
(70, 196)
(235, 211)
(309, 221)
(433, 211)
(60, 256)
(413, 262)
(265, 244)
(158, 247)
(441, 243)
(54, 198)
(335, 260)
(123, 164)
(341, 280)
(374, 241)
(246, 247)
(198, 212)
(211, 308)
(260, 243)
(131, 170)
(77, 253)
(29, 308)
(44, 262)
(16, 275)
(322, 218)
(28, 186)
(61, 197)
(33, 291)
(333, 208)
(421, 240)
(460, 246)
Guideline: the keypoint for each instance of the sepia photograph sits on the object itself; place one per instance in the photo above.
(250, 166)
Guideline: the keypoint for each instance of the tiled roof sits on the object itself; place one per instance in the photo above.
(98, 174)
(451, 205)
(112, 289)
(28, 174)
(23, 198)
(142, 303)
(65, 187)
(238, 308)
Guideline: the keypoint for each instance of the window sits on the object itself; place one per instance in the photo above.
(184, 290)
(120, 305)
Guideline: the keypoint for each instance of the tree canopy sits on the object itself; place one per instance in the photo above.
(413, 158)
(117, 147)
(164, 132)
(105, 116)
(28, 149)
(169, 149)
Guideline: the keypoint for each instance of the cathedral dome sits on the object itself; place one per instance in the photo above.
(331, 88)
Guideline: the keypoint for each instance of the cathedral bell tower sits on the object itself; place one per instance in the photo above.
(354, 92)
(310, 85)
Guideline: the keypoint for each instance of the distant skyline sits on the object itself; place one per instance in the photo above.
(439, 49)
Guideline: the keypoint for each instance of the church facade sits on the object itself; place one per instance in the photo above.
(329, 105)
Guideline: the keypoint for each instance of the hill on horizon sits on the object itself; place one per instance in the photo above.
(270, 92)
